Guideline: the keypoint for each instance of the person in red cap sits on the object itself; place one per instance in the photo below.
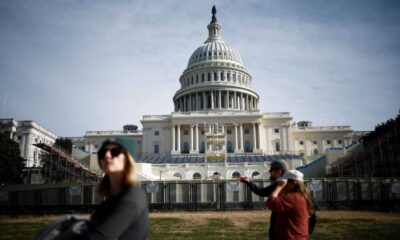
(292, 203)
(277, 169)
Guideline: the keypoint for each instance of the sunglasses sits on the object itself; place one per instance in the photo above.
(114, 150)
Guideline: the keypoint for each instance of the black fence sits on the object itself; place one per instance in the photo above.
(356, 194)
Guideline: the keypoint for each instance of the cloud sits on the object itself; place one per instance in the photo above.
(75, 67)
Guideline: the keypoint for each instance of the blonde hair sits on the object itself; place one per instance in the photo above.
(298, 186)
(129, 178)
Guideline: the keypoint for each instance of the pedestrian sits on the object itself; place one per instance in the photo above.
(292, 203)
(124, 213)
(277, 169)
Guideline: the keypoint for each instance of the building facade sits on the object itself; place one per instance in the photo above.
(28, 133)
(217, 128)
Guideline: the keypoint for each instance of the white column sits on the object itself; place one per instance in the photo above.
(198, 101)
(210, 131)
(241, 137)
(259, 136)
(283, 139)
(190, 102)
(234, 100)
(197, 138)
(254, 138)
(219, 100)
(179, 139)
(236, 138)
(212, 100)
(241, 101)
(191, 138)
(204, 100)
(173, 138)
(289, 147)
(184, 103)
(227, 100)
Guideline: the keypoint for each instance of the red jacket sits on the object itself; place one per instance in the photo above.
(292, 216)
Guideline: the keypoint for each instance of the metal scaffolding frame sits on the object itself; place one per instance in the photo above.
(378, 156)
(60, 167)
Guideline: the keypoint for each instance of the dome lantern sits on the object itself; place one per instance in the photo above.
(214, 28)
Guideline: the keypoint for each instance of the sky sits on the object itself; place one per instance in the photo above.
(75, 66)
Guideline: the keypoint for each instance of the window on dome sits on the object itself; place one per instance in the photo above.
(209, 54)
(205, 54)
(197, 78)
(215, 76)
(228, 76)
(202, 77)
(209, 77)
(222, 76)
(234, 77)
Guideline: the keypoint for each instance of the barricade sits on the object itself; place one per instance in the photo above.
(200, 195)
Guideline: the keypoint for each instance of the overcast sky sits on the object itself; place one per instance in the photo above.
(73, 66)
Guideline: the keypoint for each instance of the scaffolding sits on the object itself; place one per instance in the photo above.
(60, 167)
(215, 143)
(377, 156)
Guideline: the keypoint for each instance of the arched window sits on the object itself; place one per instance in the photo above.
(202, 77)
(228, 76)
(247, 146)
(222, 76)
(197, 176)
(209, 77)
(178, 175)
(230, 148)
(316, 152)
(236, 175)
(255, 174)
(215, 76)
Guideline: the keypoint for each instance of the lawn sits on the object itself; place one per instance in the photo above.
(232, 225)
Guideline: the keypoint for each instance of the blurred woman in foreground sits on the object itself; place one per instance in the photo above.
(124, 213)
(293, 205)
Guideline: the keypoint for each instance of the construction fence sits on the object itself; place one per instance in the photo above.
(219, 195)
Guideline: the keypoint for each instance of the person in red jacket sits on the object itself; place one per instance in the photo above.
(292, 203)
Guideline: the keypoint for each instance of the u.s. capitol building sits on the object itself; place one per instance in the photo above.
(217, 128)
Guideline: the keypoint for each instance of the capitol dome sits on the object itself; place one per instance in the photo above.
(214, 51)
(215, 78)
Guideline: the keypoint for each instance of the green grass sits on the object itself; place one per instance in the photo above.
(214, 228)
